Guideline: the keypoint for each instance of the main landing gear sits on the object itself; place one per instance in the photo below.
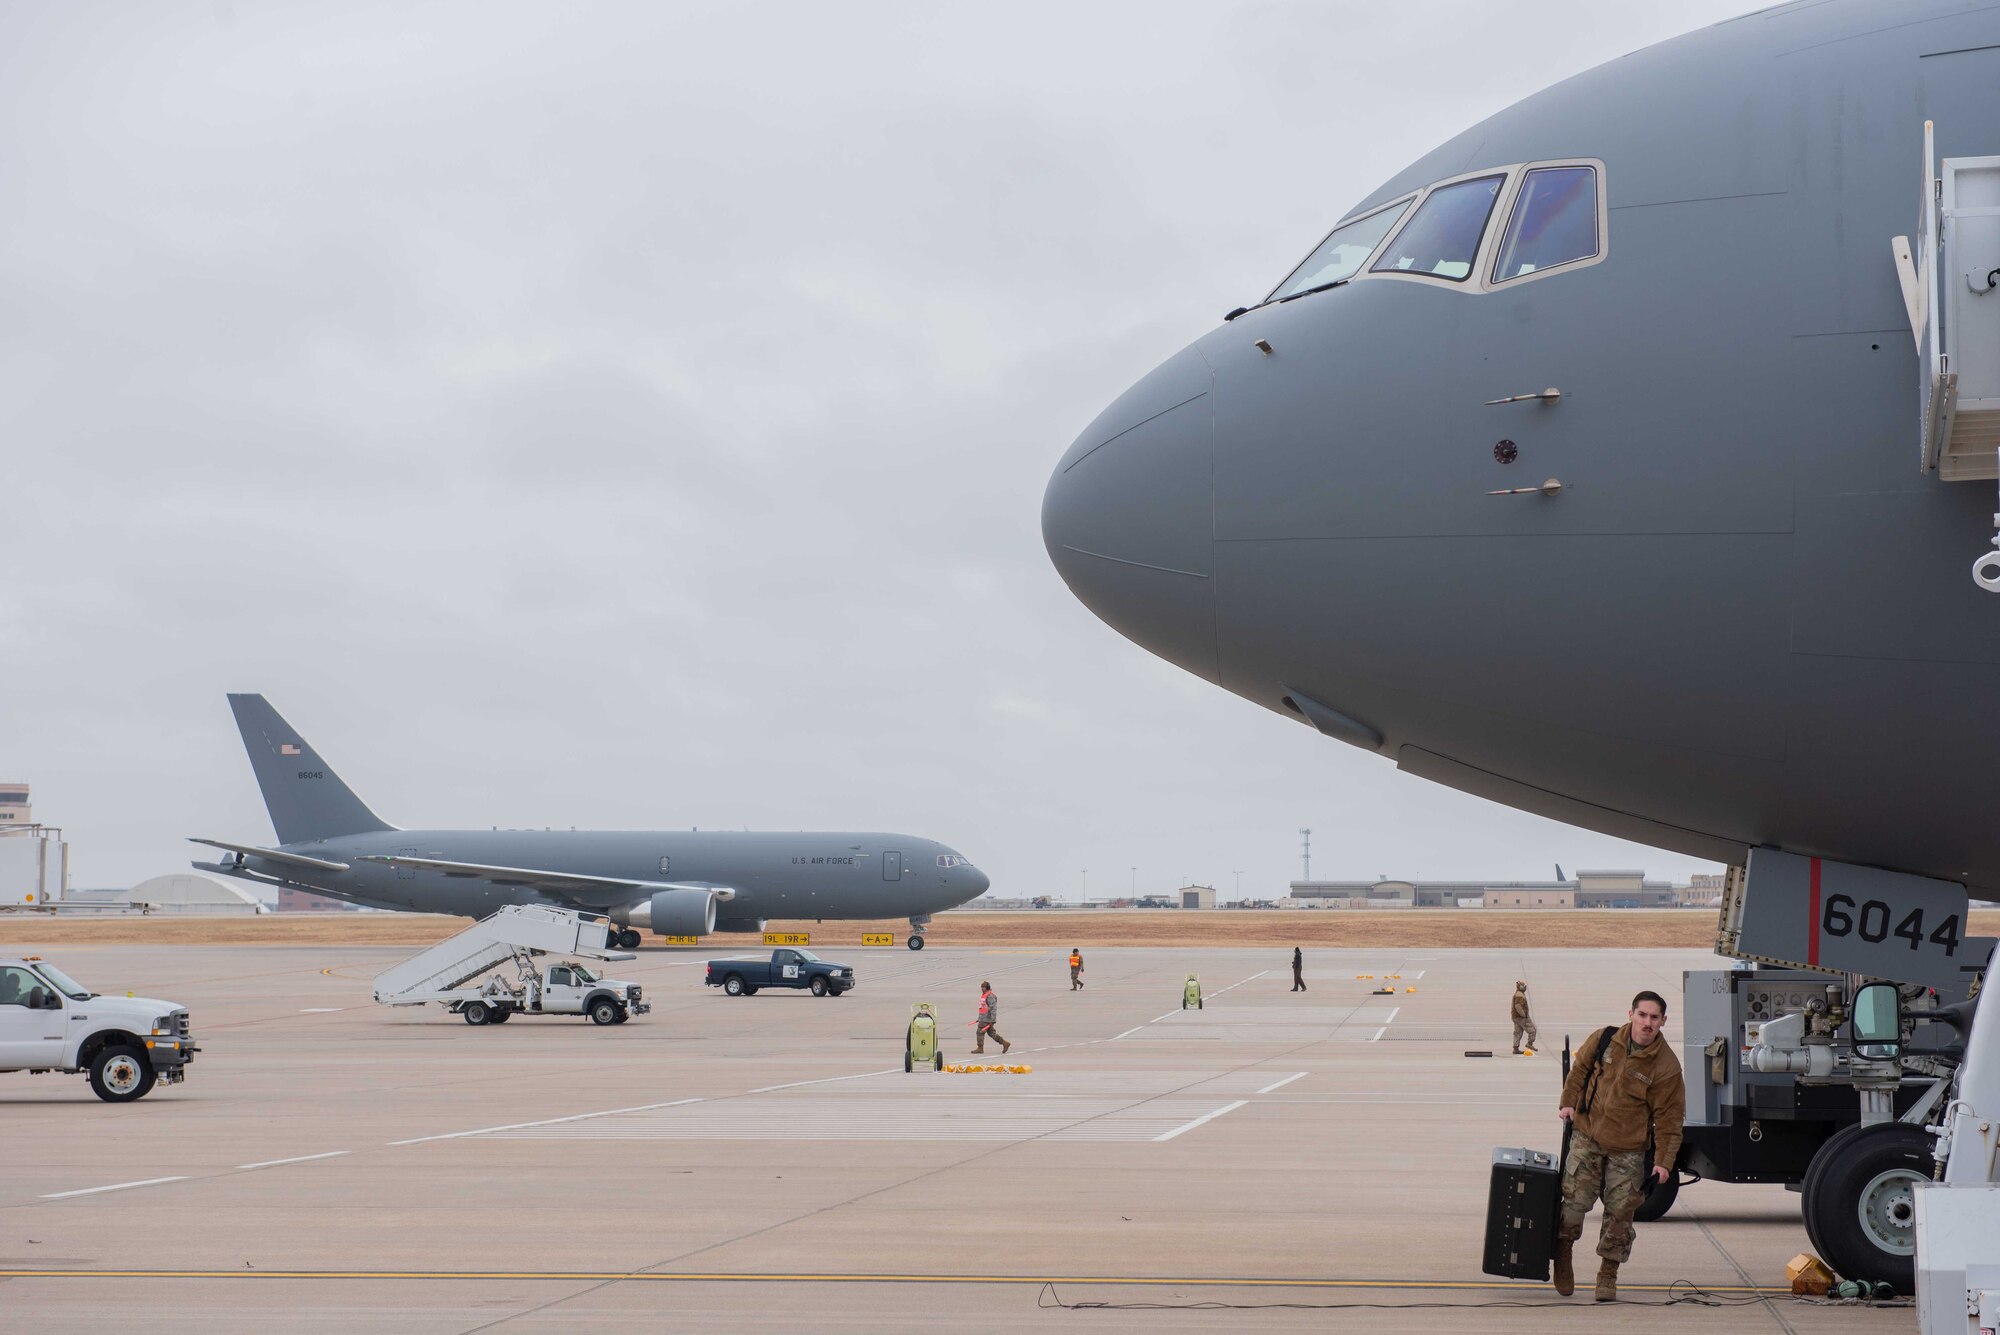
(627, 939)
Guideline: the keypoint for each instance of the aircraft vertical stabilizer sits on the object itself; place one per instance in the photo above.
(306, 799)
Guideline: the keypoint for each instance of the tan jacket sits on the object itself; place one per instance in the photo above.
(1520, 1005)
(1634, 1091)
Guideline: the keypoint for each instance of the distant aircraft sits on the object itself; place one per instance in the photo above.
(1586, 465)
(675, 882)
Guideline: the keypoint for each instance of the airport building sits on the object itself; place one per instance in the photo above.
(1587, 890)
(15, 813)
(1196, 896)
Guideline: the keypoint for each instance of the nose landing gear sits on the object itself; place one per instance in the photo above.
(918, 921)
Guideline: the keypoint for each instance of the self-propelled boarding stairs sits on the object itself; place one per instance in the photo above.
(516, 930)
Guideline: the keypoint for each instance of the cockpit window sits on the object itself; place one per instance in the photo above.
(1342, 254)
(953, 860)
(1555, 222)
(1442, 238)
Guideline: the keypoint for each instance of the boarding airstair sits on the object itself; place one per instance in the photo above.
(517, 932)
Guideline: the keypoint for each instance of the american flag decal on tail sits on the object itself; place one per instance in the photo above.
(287, 749)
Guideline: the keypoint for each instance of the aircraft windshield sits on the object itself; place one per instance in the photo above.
(1443, 236)
(1555, 222)
(1342, 254)
(70, 988)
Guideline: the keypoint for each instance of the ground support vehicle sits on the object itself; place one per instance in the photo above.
(51, 1023)
(786, 968)
(520, 933)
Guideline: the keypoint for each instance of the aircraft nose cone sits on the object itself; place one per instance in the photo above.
(1127, 518)
(977, 882)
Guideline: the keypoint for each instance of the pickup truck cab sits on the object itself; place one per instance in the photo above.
(566, 988)
(787, 968)
(50, 1022)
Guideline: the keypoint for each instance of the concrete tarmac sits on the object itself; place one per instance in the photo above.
(1273, 1161)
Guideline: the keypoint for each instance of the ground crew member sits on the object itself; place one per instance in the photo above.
(1298, 970)
(989, 1015)
(1524, 1023)
(1623, 1093)
(1075, 969)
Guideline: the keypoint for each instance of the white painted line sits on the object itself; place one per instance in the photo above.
(1385, 1024)
(1282, 1083)
(1205, 1117)
(116, 1186)
(832, 1079)
(321, 1010)
(552, 1121)
(1239, 982)
(303, 1158)
(1377, 1036)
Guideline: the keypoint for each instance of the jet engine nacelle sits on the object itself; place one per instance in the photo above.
(676, 912)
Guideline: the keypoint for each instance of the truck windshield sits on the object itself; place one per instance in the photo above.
(69, 987)
(807, 957)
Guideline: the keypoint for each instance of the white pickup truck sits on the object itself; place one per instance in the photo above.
(522, 934)
(50, 1022)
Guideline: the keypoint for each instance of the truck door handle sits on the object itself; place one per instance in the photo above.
(1552, 487)
(1549, 395)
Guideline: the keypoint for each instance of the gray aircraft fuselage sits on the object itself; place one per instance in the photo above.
(802, 875)
(674, 882)
(1746, 618)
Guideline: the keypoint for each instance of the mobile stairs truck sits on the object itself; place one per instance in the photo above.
(522, 933)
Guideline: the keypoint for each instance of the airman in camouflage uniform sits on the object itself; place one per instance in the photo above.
(1524, 1023)
(1623, 1092)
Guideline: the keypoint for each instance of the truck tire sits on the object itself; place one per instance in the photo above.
(501, 1014)
(733, 985)
(477, 1012)
(604, 1010)
(1859, 1205)
(120, 1073)
(817, 986)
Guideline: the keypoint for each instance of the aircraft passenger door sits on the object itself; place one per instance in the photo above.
(892, 865)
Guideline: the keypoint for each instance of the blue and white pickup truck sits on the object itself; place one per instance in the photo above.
(787, 968)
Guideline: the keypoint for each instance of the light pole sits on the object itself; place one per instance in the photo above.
(1239, 883)
(1135, 883)
(1084, 896)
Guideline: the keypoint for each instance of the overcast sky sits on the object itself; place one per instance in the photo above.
(637, 416)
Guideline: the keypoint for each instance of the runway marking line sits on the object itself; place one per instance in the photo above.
(1205, 1117)
(303, 1158)
(116, 1186)
(547, 1121)
(738, 1277)
(1282, 1083)
(827, 1080)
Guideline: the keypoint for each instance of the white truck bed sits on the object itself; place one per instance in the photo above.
(534, 929)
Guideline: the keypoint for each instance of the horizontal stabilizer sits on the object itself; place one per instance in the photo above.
(570, 885)
(274, 855)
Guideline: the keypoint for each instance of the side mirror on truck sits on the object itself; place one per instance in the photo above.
(41, 999)
(1878, 1022)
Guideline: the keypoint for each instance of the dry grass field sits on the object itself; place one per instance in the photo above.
(1060, 929)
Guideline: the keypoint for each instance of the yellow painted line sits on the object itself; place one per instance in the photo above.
(737, 1277)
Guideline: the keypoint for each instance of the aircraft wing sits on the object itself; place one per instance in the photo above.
(274, 855)
(574, 886)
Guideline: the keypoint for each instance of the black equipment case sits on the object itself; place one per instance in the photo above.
(1522, 1206)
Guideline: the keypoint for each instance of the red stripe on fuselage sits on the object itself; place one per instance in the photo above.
(1812, 923)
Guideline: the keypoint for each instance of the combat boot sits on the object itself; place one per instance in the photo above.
(1607, 1282)
(1565, 1276)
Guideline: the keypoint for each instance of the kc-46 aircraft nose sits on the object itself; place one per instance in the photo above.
(1127, 516)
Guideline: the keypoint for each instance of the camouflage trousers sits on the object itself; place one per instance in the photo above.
(1619, 1177)
(1524, 1027)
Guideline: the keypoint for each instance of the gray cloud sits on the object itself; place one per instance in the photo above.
(637, 415)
